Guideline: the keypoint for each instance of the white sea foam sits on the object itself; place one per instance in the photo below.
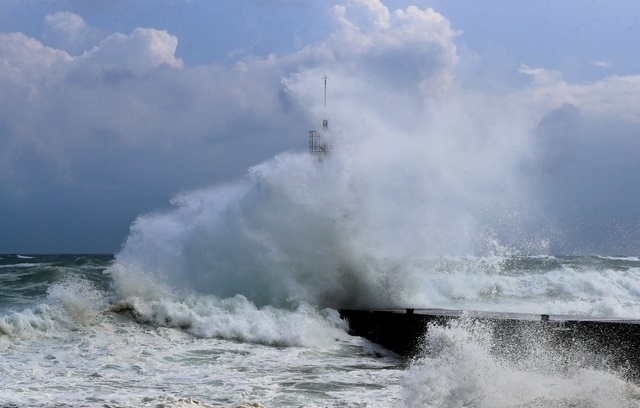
(234, 317)
(22, 265)
(118, 361)
(567, 290)
(238, 319)
(68, 306)
(28, 323)
(620, 258)
(459, 368)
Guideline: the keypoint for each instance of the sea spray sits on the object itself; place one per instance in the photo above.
(334, 234)
(461, 366)
(286, 234)
(69, 305)
(80, 300)
(296, 230)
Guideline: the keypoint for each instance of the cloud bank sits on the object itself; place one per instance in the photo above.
(97, 128)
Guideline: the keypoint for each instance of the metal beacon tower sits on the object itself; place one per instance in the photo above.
(322, 142)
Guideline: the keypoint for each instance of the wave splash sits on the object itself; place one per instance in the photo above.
(336, 233)
(345, 232)
(298, 231)
(460, 367)
(286, 235)
(69, 305)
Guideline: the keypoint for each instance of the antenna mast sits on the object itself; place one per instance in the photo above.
(325, 93)
(321, 141)
(325, 121)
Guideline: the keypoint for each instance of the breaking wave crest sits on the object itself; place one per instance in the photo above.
(69, 305)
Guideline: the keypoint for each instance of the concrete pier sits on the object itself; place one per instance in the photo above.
(599, 343)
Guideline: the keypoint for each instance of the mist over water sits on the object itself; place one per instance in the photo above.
(297, 229)
(417, 209)
(454, 174)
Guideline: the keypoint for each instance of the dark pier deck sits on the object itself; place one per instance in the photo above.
(603, 343)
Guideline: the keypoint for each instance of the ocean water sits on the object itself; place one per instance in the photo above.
(72, 333)
(231, 298)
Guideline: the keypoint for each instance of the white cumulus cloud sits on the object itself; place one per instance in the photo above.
(69, 31)
(142, 50)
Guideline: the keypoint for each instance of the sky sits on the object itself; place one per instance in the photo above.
(111, 108)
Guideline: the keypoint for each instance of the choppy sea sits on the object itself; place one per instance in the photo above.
(231, 299)
(84, 331)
